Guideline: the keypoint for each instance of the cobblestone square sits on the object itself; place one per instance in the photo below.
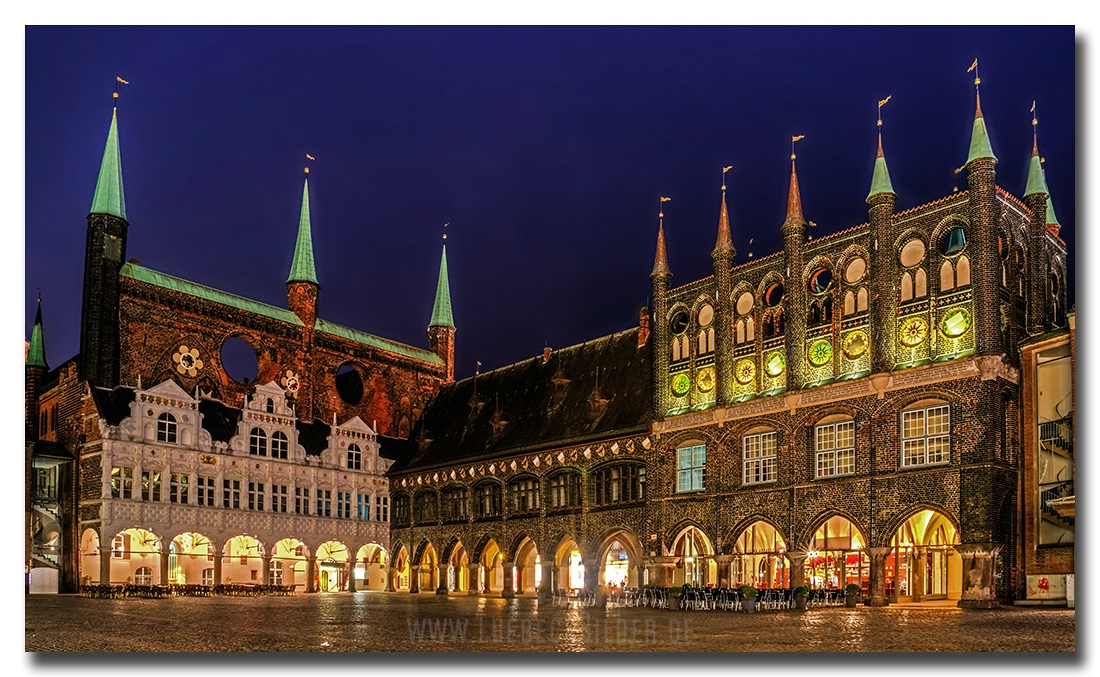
(368, 621)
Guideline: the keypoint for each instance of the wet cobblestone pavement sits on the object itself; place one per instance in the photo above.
(403, 622)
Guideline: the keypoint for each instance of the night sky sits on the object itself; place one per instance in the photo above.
(546, 149)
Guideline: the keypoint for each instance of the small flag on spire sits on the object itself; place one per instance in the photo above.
(121, 80)
(665, 199)
(883, 102)
(796, 138)
(726, 169)
(972, 66)
(1032, 106)
(310, 157)
(445, 236)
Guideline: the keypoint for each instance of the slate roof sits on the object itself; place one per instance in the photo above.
(522, 408)
(113, 405)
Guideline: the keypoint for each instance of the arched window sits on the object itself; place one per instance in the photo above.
(355, 457)
(926, 434)
(257, 442)
(750, 329)
(920, 285)
(861, 300)
(565, 489)
(849, 303)
(947, 276)
(740, 332)
(488, 499)
(279, 444)
(424, 507)
(619, 484)
(270, 407)
(525, 495)
(962, 271)
(454, 505)
(906, 286)
(143, 576)
(166, 428)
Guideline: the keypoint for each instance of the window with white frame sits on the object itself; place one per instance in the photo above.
(276, 573)
(231, 494)
(759, 457)
(343, 504)
(362, 507)
(208, 577)
(279, 497)
(926, 436)
(691, 463)
(122, 482)
(257, 442)
(835, 444)
(205, 490)
(256, 495)
(324, 503)
(143, 576)
(177, 489)
(382, 508)
(120, 547)
(301, 500)
(150, 485)
(166, 428)
(355, 457)
(279, 445)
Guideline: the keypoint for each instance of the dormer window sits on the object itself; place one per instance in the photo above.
(257, 442)
(166, 428)
(355, 457)
(270, 408)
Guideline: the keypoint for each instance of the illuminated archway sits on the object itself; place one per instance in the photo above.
(760, 558)
(89, 557)
(491, 571)
(696, 566)
(458, 573)
(288, 564)
(190, 555)
(133, 549)
(242, 560)
(401, 570)
(332, 567)
(429, 569)
(836, 556)
(569, 565)
(922, 563)
(528, 572)
(620, 560)
(370, 567)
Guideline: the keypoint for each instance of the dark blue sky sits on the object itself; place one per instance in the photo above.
(545, 148)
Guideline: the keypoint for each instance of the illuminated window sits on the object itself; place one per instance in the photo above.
(362, 506)
(926, 436)
(525, 495)
(120, 547)
(143, 576)
(489, 500)
(150, 485)
(177, 490)
(276, 573)
(166, 428)
(122, 482)
(208, 577)
(565, 490)
(835, 446)
(758, 458)
(691, 463)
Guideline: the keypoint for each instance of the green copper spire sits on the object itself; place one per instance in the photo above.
(441, 312)
(979, 138)
(1052, 220)
(301, 268)
(880, 180)
(1036, 181)
(109, 197)
(36, 353)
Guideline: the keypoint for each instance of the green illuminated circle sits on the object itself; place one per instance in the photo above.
(774, 364)
(913, 332)
(745, 371)
(820, 353)
(681, 384)
(955, 323)
(855, 344)
(705, 380)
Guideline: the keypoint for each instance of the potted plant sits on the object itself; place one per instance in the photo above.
(674, 598)
(800, 594)
(543, 592)
(601, 595)
(851, 594)
(749, 593)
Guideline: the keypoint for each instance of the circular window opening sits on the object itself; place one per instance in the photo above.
(954, 241)
(912, 253)
(349, 384)
(744, 303)
(855, 270)
(706, 314)
(774, 295)
(820, 280)
(679, 322)
(239, 360)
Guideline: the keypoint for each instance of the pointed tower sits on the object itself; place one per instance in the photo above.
(302, 286)
(36, 369)
(884, 267)
(984, 211)
(660, 278)
(1036, 197)
(104, 254)
(794, 237)
(723, 256)
(441, 329)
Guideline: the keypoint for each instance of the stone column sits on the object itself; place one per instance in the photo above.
(916, 574)
(265, 570)
(475, 580)
(591, 574)
(978, 562)
(724, 562)
(414, 578)
(444, 579)
(351, 574)
(507, 590)
(798, 571)
(104, 565)
(548, 584)
(877, 576)
(311, 572)
(660, 570)
(519, 579)
(164, 568)
(391, 574)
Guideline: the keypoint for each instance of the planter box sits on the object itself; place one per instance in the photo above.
(750, 605)
(851, 601)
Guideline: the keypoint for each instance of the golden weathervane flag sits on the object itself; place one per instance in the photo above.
(726, 169)
(883, 102)
(665, 199)
(310, 157)
(972, 66)
(121, 80)
(796, 138)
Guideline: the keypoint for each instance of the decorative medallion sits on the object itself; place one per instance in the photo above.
(187, 361)
(774, 364)
(290, 382)
(435, 477)
(561, 457)
(955, 323)
(646, 443)
(913, 332)
(705, 379)
(706, 315)
(855, 345)
(681, 384)
(745, 372)
(493, 468)
(536, 461)
(615, 448)
(630, 445)
(452, 474)
(512, 465)
(588, 452)
(820, 353)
